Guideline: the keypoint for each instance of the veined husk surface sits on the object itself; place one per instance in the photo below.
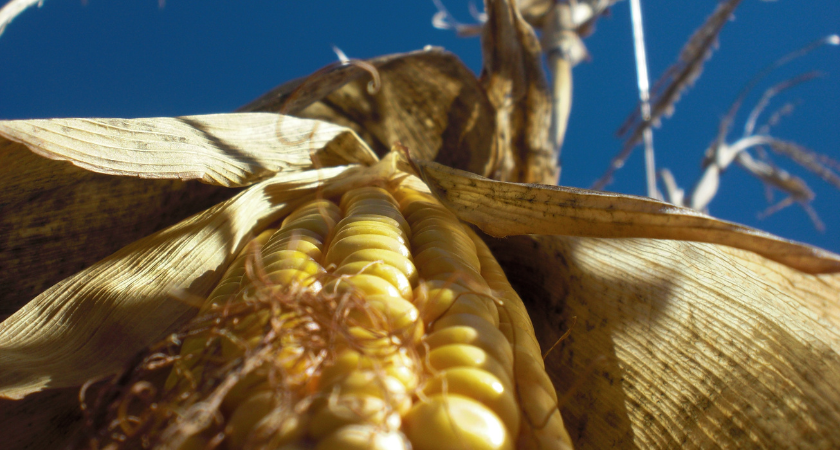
(673, 343)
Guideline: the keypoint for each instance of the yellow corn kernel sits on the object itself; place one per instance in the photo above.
(393, 312)
(343, 248)
(447, 238)
(439, 264)
(364, 284)
(371, 193)
(394, 259)
(382, 270)
(362, 437)
(369, 227)
(376, 320)
(232, 278)
(481, 386)
(438, 298)
(332, 414)
(247, 416)
(461, 355)
(451, 421)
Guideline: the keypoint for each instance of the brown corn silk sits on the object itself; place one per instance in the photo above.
(376, 320)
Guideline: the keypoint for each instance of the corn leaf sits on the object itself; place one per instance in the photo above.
(57, 219)
(72, 215)
(90, 323)
(294, 96)
(504, 209)
(681, 344)
(453, 129)
(224, 149)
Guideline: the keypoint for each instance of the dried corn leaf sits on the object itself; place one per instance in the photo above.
(428, 101)
(504, 209)
(90, 323)
(57, 219)
(497, 126)
(223, 149)
(294, 96)
(514, 81)
(56, 212)
(681, 344)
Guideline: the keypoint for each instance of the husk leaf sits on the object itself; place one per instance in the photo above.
(91, 323)
(294, 96)
(57, 219)
(505, 209)
(58, 212)
(453, 129)
(223, 149)
(682, 344)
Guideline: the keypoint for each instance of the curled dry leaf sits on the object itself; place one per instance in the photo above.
(504, 209)
(294, 96)
(452, 129)
(225, 149)
(681, 344)
(91, 323)
(511, 98)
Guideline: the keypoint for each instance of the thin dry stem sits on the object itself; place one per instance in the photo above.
(13, 9)
(676, 79)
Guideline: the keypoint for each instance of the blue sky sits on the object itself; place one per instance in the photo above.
(112, 58)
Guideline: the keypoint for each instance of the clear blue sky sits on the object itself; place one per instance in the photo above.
(113, 58)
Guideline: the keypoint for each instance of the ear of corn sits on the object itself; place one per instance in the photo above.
(378, 322)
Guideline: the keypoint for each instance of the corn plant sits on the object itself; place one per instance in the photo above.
(345, 263)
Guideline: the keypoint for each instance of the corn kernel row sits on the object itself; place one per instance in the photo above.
(426, 351)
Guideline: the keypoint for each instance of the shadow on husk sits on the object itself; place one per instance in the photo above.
(680, 344)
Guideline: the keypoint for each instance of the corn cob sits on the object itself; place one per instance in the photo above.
(377, 322)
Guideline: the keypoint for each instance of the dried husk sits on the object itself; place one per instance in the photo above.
(567, 277)
(665, 329)
(57, 212)
(497, 125)
(452, 129)
(228, 150)
(504, 209)
(682, 344)
(90, 324)
(57, 219)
